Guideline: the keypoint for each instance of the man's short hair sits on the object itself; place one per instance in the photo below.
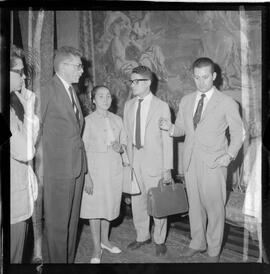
(63, 54)
(144, 71)
(204, 62)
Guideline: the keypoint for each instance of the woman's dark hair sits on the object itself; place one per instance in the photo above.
(93, 95)
(15, 53)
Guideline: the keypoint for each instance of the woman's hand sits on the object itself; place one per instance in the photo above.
(88, 184)
(27, 98)
(117, 147)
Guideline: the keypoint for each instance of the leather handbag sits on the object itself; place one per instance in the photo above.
(165, 200)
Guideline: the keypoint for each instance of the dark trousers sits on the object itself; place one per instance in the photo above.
(62, 201)
(17, 238)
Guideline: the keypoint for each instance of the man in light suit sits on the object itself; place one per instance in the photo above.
(203, 118)
(150, 154)
(64, 161)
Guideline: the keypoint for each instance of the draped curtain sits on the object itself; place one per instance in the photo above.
(37, 29)
(86, 40)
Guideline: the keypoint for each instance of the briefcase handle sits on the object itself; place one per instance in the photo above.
(161, 185)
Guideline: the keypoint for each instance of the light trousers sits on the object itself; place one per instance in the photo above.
(141, 219)
(206, 190)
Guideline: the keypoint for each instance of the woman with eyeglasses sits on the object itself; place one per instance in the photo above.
(24, 126)
(105, 139)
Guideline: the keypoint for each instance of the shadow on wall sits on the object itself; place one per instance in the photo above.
(154, 84)
(219, 80)
(114, 105)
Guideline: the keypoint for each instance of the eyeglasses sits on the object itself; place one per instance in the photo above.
(18, 71)
(136, 81)
(79, 66)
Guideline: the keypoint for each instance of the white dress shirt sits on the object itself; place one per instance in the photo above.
(145, 105)
(207, 97)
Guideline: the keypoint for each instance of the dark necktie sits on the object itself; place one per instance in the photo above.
(70, 89)
(198, 112)
(138, 144)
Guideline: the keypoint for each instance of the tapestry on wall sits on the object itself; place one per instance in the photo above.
(168, 42)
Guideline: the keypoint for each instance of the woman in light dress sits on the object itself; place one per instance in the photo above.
(104, 138)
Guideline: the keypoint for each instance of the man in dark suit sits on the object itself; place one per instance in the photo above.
(64, 160)
(203, 118)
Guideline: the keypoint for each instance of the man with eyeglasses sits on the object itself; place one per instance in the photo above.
(150, 154)
(64, 160)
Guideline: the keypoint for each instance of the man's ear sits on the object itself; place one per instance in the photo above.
(60, 67)
(214, 76)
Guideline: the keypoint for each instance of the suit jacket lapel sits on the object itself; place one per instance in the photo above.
(66, 99)
(132, 116)
(191, 108)
(152, 108)
(211, 104)
(79, 108)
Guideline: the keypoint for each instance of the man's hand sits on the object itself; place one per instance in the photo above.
(223, 160)
(167, 177)
(164, 124)
(88, 184)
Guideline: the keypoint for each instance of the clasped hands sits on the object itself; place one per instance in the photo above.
(117, 147)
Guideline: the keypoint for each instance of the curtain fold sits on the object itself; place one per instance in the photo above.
(37, 28)
(86, 40)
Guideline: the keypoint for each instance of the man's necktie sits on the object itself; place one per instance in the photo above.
(138, 144)
(198, 112)
(70, 89)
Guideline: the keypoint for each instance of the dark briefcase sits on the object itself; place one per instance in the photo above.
(165, 200)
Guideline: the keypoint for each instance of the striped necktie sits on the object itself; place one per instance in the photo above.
(74, 106)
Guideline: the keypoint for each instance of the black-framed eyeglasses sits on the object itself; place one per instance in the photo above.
(136, 81)
(18, 71)
(79, 66)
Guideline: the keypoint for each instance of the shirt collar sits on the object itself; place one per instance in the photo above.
(208, 94)
(148, 97)
(65, 83)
